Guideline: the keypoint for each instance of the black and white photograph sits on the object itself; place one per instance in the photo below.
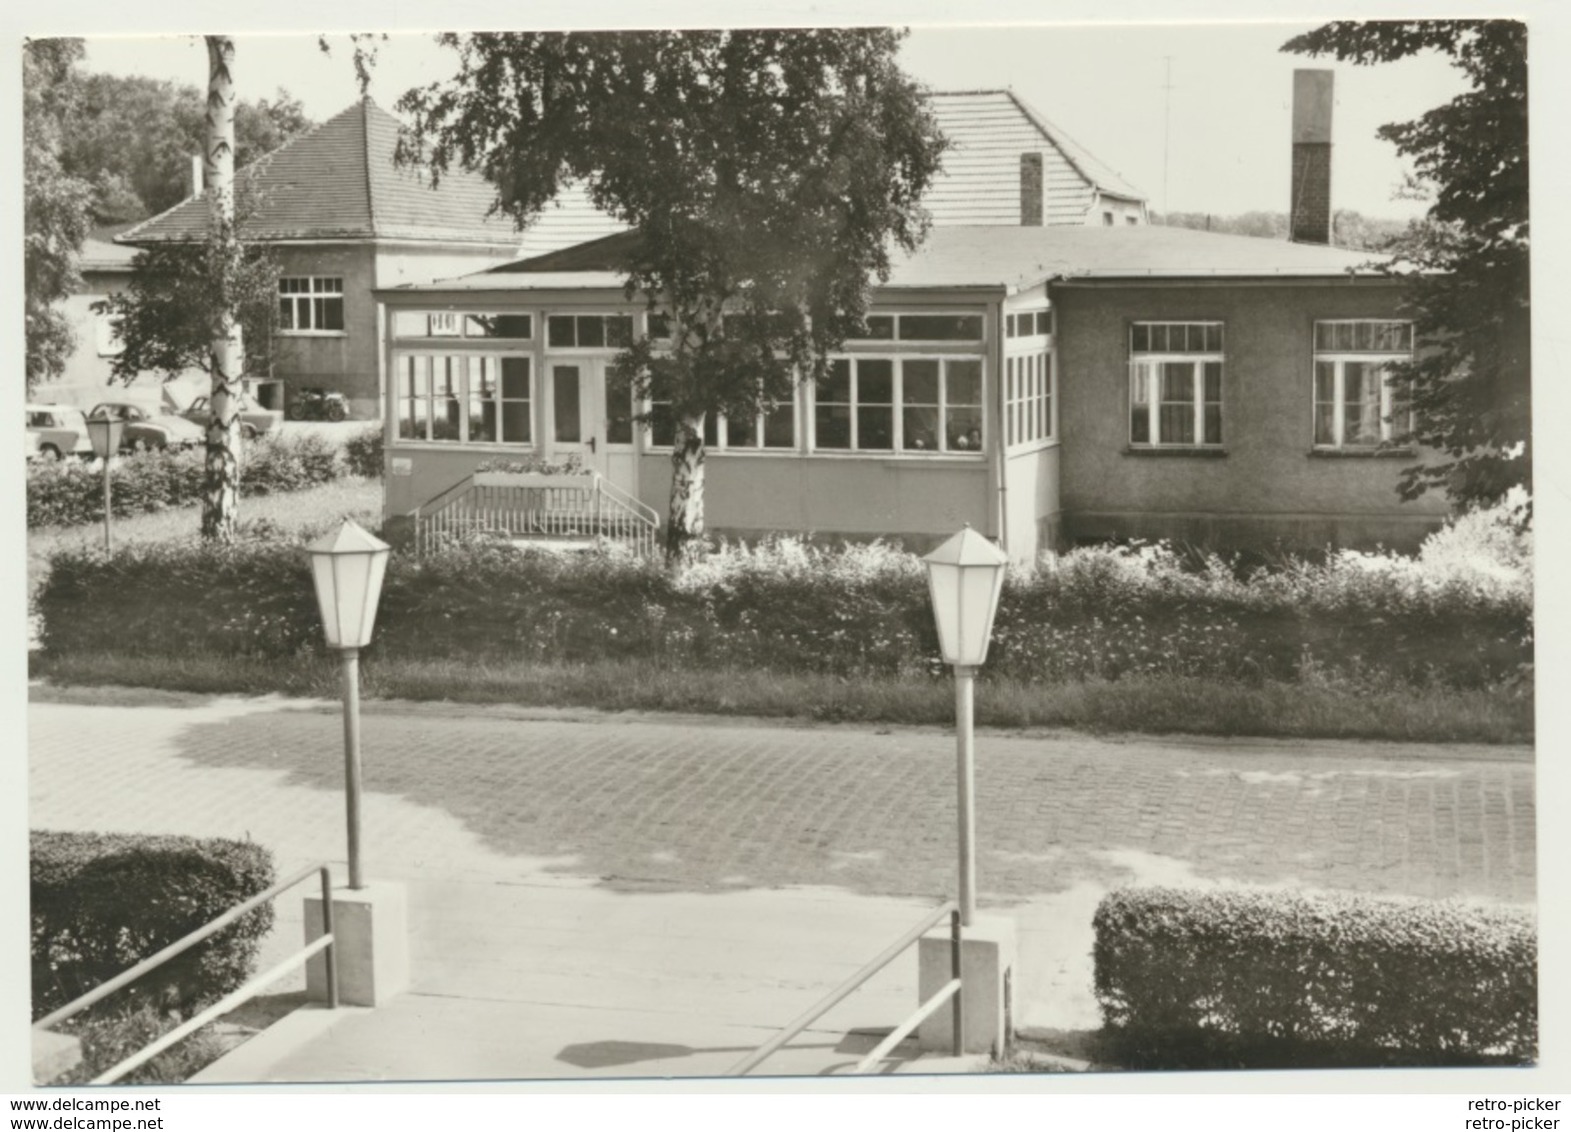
(896, 552)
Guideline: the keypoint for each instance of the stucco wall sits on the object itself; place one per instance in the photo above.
(1031, 502)
(914, 500)
(1268, 486)
(85, 380)
(345, 360)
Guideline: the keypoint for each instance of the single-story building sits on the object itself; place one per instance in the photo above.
(1048, 385)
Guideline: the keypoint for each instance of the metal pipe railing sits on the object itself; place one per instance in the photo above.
(901, 1032)
(863, 973)
(325, 943)
(596, 507)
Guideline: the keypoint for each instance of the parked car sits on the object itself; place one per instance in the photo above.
(316, 404)
(253, 422)
(144, 430)
(57, 431)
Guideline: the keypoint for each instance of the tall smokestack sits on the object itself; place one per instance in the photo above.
(196, 175)
(1310, 219)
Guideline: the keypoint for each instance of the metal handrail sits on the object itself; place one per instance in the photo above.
(524, 503)
(324, 943)
(867, 971)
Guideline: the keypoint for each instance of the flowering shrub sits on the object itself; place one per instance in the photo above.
(1105, 613)
(67, 493)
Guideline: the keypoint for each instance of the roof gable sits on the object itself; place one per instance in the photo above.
(338, 181)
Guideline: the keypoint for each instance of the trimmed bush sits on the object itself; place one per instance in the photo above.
(363, 453)
(69, 493)
(1248, 979)
(786, 607)
(101, 903)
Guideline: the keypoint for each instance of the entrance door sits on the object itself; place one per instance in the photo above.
(577, 390)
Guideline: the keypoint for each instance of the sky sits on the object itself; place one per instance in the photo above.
(1216, 140)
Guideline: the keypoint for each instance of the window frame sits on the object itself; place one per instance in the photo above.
(306, 300)
(605, 346)
(899, 405)
(1157, 359)
(468, 362)
(1339, 358)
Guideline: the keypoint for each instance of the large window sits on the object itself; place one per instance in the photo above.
(1175, 384)
(1357, 405)
(913, 404)
(311, 302)
(464, 399)
(1029, 397)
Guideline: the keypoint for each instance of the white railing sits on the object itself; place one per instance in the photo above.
(525, 506)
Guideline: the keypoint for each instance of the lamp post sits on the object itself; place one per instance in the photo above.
(347, 567)
(105, 434)
(965, 575)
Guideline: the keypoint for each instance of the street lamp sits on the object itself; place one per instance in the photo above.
(105, 434)
(347, 567)
(964, 576)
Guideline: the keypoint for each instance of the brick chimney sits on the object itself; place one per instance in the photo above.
(1031, 190)
(1309, 222)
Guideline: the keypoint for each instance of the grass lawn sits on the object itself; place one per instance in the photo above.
(349, 498)
(1146, 705)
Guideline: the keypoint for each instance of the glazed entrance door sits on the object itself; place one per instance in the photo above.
(577, 391)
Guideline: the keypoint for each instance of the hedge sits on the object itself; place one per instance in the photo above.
(789, 608)
(101, 903)
(1269, 979)
(69, 492)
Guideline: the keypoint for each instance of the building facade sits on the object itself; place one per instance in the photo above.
(1047, 387)
(343, 220)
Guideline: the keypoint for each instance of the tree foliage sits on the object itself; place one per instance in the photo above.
(1349, 229)
(767, 175)
(1466, 264)
(133, 138)
(56, 205)
(170, 310)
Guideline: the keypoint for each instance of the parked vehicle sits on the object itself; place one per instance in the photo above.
(315, 404)
(144, 430)
(253, 422)
(57, 431)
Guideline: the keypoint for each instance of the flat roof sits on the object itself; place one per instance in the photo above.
(991, 257)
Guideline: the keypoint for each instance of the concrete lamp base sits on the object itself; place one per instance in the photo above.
(987, 976)
(54, 1055)
(372, 929)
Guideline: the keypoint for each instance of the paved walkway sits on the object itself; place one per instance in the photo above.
(728, 822)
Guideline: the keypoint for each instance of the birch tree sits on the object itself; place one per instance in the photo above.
(221, 493)
(767, 175)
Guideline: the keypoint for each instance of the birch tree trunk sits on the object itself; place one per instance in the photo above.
(221, 490)
(686, 520)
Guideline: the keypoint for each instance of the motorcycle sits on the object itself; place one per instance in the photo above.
(316, 404)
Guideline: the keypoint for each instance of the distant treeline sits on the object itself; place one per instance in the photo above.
(1349, 229)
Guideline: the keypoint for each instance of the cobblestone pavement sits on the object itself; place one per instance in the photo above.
(652, 803)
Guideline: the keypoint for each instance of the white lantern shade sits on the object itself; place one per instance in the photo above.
(105, 435)
(347, 567)
(965, 576)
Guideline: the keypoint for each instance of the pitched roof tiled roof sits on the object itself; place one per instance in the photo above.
(338, 181)
(990, 257)
(979, 182)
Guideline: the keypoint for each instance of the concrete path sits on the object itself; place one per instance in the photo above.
(642, 895)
